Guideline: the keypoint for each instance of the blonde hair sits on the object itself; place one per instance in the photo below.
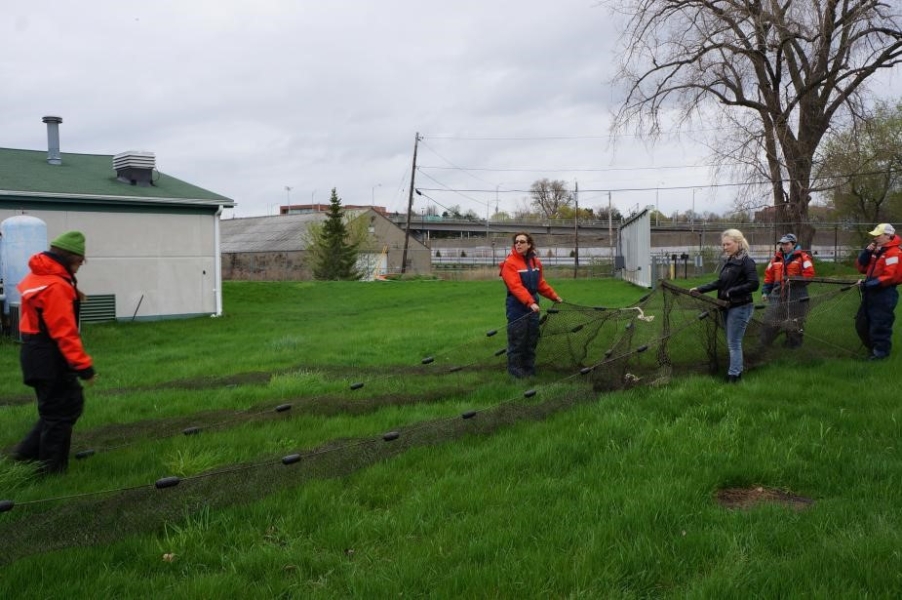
(736, 236)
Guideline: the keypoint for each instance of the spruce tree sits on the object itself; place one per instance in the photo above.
(335, 252)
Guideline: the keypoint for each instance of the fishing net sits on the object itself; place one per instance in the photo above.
(583, 352)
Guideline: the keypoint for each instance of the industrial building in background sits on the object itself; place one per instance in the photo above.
(274, 248)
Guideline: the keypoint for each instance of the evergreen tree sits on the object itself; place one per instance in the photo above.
(334, 252)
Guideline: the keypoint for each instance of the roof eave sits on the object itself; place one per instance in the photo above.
(120, 200)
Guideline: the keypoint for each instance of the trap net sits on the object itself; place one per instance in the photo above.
(583, 352)
(672, 332)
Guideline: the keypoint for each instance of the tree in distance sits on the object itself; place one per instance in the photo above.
(550, 197)
(864, 165)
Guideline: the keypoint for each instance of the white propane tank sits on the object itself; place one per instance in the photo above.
(21, 237)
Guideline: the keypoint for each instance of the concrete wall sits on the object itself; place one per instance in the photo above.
(265, 266)
(388, 237)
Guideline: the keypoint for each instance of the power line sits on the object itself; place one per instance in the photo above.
(447, 189)
(571, 170)
(454, 166)
(428, 197)
(599, 190)
(762, 182)
(570, 137)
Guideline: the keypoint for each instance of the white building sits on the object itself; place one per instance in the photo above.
(152, 240)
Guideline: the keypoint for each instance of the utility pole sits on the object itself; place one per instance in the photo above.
(413, 172)
(576, 230)
(657, 209)
(373, 195)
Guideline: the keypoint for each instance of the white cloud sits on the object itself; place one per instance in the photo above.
(245, 98)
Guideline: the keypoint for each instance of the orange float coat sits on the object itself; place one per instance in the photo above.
(50, 305)
(796, 263)
(525, 281)
(881, 267)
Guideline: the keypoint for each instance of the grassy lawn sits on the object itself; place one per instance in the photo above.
(608, 495)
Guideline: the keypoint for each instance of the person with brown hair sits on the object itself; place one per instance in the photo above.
(53, 358)
(522, 273)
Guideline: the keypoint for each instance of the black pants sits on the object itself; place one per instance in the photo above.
(522, 339)
(875, 318)
(60, 404)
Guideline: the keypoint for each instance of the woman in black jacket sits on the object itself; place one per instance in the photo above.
(736, 282)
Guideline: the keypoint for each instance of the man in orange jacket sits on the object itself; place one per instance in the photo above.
(53, 358)
(879, 262)
(787, 300)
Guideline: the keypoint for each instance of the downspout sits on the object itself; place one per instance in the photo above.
(2, 289)
(217, 269)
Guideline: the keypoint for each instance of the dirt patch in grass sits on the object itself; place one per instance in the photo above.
(747, 498)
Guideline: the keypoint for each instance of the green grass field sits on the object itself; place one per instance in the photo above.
(612, 496)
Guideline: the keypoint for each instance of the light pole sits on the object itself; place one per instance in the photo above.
(693, 210)
(373, 194)
(657, 206)
(287, 197)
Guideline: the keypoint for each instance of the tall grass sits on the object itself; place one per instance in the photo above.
(612, 498)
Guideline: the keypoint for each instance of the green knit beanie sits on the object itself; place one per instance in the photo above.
(73, 241)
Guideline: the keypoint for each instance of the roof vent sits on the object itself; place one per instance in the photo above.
(135, 168)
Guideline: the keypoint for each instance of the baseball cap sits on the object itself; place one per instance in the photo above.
(883, 228)
(788, 238)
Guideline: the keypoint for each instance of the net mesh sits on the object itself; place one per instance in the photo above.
(583, 351)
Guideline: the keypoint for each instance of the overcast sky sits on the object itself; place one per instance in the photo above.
(247, 99)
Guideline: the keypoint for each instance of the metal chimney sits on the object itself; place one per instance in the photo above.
(53, 140)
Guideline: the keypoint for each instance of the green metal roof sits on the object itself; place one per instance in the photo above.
(90, 178)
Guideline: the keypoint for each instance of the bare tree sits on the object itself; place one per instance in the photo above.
(778, 72)
(550, 197)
